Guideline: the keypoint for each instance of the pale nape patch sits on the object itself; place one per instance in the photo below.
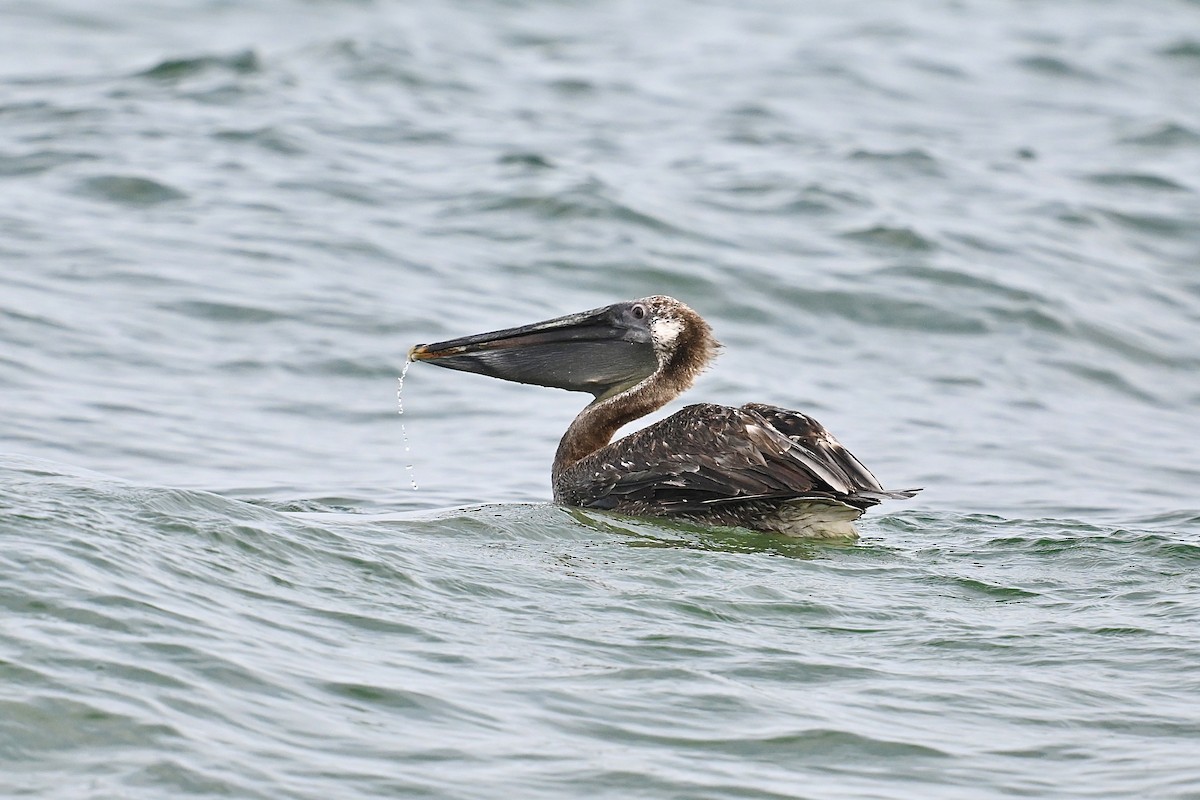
(666, 331)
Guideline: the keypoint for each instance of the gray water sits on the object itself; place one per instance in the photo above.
(963, 235)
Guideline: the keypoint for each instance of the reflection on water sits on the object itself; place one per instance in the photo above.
(680, 533)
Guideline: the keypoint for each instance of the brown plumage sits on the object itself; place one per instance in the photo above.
(757, 466)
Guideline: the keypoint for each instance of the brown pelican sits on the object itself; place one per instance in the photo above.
(757, 466)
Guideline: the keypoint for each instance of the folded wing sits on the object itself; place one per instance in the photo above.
(708, 455)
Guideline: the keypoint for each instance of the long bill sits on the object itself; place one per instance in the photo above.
(592, 352)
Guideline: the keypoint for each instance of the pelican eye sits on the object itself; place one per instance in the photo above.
(638, 311)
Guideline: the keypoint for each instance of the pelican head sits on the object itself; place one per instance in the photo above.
(604, 352)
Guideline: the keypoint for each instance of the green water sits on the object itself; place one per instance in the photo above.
(163, 641)
(964, 236)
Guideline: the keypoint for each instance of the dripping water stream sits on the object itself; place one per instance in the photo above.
(408, 467)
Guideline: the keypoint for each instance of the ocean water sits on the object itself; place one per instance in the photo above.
(963, 235)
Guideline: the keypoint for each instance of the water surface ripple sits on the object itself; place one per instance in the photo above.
(963, 235)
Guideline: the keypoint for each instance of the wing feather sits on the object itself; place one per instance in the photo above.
(708, 455)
